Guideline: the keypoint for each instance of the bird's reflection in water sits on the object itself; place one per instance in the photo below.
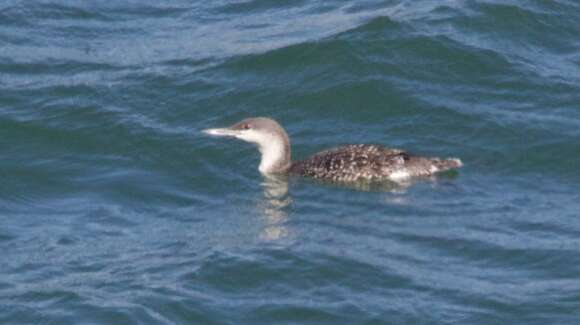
(400, 187)
(273, 208)
(395, 193)
(276, 199)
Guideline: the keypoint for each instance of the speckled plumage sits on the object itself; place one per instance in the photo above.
(368, 162)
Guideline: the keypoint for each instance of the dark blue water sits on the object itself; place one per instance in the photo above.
(114, 208)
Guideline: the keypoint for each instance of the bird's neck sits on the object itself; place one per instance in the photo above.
(275, 156)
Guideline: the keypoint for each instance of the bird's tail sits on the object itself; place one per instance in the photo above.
(446, 164)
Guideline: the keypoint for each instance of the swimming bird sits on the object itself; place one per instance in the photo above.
(349, 163)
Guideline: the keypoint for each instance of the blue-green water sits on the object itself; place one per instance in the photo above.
(114, 208)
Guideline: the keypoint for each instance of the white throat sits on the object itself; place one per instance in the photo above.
(273, 155)
(274, 147)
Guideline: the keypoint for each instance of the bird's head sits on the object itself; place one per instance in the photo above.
(259, 130)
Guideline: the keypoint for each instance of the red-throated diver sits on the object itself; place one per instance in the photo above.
(345, 164)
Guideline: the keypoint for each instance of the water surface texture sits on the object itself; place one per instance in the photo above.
(116, 209)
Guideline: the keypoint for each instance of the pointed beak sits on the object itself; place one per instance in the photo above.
(225, 132)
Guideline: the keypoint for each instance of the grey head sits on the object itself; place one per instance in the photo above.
(268, 135)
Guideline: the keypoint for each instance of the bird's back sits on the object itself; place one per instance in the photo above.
(368, 162)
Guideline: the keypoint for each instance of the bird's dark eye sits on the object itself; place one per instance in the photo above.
(246, 126)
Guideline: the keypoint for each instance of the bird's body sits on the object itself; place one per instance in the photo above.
(348, 163)
(368, 162)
